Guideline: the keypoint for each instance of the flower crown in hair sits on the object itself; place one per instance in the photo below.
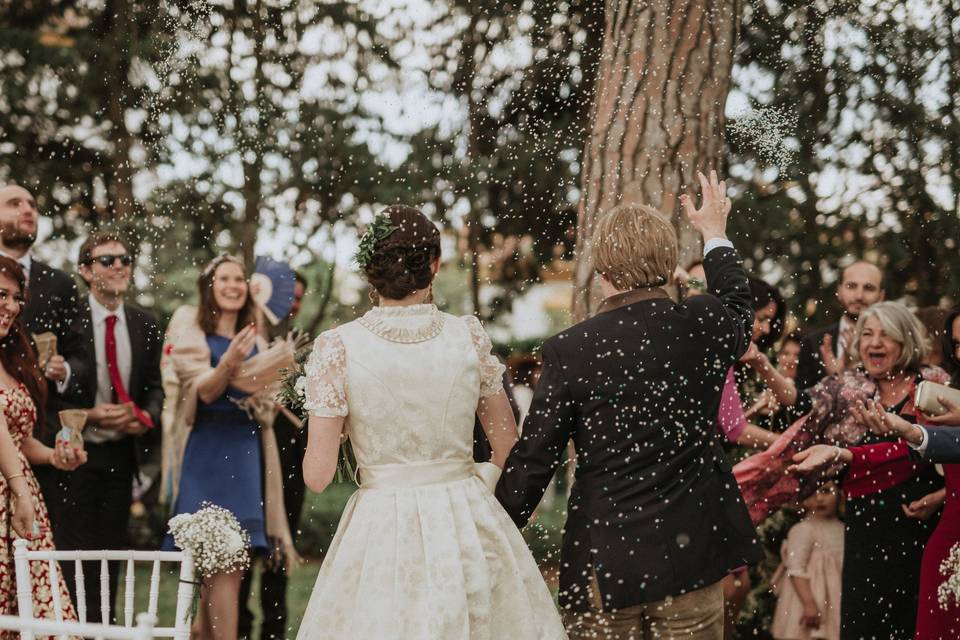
(378, 231)
(219, 260)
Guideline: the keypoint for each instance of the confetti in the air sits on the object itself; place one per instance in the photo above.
(767, 130)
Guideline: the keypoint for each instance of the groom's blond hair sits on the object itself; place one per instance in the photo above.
(634, 246)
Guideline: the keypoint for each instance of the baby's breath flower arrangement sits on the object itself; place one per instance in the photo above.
(214, 538)
(766, 130)
(949, 589)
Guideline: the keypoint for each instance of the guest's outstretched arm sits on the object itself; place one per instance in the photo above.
(783, 387)
(546, 431)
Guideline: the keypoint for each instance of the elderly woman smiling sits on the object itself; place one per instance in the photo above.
(885, 532)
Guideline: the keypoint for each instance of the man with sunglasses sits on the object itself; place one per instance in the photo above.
(51, 306)
(123, 396)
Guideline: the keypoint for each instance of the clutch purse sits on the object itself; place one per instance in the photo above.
(927, 394)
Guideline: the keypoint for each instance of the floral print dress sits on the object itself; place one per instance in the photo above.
(21, 414)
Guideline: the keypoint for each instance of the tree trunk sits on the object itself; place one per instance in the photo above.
(117, 86)
(249, 137)
(657, 115)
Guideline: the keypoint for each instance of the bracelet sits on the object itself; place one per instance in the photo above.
(836, 456)
(16, 475)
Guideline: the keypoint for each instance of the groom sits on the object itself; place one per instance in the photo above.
(655, 518)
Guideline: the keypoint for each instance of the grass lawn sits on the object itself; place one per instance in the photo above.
(319, 522)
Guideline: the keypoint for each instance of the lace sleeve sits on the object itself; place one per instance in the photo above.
(491, 370)
(326, 369)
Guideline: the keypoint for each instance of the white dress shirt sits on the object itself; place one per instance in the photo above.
(98, 316)
(716, 243)
(845, 324)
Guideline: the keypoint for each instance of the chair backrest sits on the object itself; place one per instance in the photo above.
(181, 629)
(42, 626)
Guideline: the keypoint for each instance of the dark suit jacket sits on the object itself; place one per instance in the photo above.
(654, 509)
(52, 305)
(810, 368)
(943, 445)
(145, 387)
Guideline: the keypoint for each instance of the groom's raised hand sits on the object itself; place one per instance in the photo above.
(711, 218)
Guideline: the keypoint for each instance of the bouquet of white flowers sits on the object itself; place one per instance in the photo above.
(950, 588)
(214, 538)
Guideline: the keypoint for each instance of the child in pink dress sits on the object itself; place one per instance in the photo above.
(808, 581)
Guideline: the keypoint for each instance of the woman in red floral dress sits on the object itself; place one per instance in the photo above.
(22, 390)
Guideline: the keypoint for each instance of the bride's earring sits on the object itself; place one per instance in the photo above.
(429, 298)
(374, 297)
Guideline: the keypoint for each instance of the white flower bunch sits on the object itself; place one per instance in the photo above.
(950, 588)
(301, 386)
(214, 538)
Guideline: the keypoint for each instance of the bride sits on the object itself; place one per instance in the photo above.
(423, 549)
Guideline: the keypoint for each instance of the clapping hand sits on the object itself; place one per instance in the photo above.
(711, 218)
(241, 346)
(831, 363)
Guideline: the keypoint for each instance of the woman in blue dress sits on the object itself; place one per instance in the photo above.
(216, 447)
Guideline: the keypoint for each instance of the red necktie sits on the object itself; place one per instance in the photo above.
(110, 342)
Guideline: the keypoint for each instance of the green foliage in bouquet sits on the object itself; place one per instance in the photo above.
(292, 395)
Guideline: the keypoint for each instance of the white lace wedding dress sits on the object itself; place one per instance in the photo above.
(423, 550)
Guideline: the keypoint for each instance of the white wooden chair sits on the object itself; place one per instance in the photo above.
(42, 626)
(181, 629)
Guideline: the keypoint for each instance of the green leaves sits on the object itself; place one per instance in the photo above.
(378, 231)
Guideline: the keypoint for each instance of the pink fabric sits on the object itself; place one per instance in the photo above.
(730, 417)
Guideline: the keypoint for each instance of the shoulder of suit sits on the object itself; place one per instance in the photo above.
(143, 315)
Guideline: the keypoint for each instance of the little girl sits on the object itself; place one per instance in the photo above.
(809, 578)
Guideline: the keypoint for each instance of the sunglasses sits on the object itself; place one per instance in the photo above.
(107, 259)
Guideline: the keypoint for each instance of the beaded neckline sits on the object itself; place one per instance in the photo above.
(392, 323)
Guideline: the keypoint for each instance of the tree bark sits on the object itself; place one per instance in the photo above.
(117, 86)
(657, 115)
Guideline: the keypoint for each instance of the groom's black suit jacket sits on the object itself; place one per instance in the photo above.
(654, 510)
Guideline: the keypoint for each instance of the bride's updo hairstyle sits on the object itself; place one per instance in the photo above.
(397, 251)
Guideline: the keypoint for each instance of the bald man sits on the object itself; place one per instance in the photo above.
(51, 306)
(861, 285)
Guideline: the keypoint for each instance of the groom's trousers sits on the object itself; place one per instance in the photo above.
(697, 615)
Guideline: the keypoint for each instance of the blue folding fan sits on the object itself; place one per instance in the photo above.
(273, 283)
